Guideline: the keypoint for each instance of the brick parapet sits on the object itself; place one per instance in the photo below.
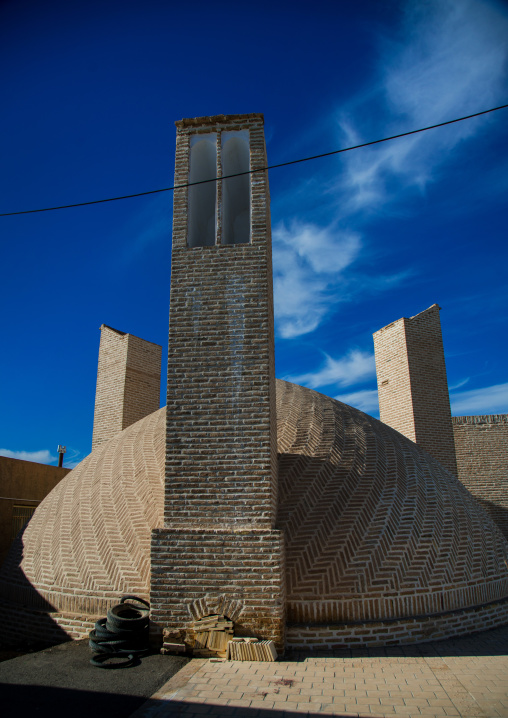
(480, 419)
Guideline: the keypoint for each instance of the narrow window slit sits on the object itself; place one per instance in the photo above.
(235, 155)
(202, 219)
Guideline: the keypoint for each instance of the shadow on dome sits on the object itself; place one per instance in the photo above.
(25, 615)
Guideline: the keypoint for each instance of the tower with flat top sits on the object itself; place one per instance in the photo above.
(219, 550)
(412, 384)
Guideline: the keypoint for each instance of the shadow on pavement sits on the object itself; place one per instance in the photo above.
(60, 681)
(26, 700)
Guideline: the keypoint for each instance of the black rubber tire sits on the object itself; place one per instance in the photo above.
(122, 632)
(99, 660)
(101, 631)
(126, 617)
(110, 646)
(118, 647)
(133, 639)
(137, 599)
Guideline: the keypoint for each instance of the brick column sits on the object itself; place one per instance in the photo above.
(412, 384)
(219, 545)
(128, 383)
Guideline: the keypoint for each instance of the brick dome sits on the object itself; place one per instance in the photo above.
(377, 532)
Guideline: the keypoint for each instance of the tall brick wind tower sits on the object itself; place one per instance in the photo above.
(128, 383)
(412, 384)
(219, 550)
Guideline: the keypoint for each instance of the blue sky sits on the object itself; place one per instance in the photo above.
(90, 93)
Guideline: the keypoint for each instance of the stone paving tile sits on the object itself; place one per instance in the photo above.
(464, 678)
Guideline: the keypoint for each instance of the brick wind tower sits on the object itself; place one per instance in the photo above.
(412, 384)
(219, 550)
(128, 383)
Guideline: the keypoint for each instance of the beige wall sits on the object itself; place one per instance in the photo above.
(22, 483)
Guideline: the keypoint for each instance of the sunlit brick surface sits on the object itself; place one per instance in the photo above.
(89, 540)
(412, 385)
(128, 383)
(375, 530)
(219, 535)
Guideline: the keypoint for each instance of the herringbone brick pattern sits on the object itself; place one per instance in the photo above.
(89, 541)
(378, 535)
(375, 529)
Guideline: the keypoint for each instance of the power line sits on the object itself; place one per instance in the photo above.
(259, 169)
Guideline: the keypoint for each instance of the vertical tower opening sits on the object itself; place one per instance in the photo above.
(202, 219)
(235, 190)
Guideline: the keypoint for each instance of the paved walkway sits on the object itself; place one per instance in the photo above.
(463, 677)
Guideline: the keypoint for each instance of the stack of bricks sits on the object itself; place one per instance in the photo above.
(128, 383)
(481, 445)
(208, 637)
(412, 385)
(219, 535)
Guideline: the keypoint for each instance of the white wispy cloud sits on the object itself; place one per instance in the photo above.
(71, 458)
(355, 367)
(308, 262)
(449, 60)
(463, 382)
(309, 280)
(149, 226)
(365, 400)
(44, 456)
(487, 400)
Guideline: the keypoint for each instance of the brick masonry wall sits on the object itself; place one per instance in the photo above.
(241, 566)
(375, 529)
(221, 455)
(481, 445)
(381, 542)
(128, 383)
(412, 385)
(21, 625)
(402, 632)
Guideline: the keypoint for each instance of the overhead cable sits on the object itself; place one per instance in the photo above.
(258, 169)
